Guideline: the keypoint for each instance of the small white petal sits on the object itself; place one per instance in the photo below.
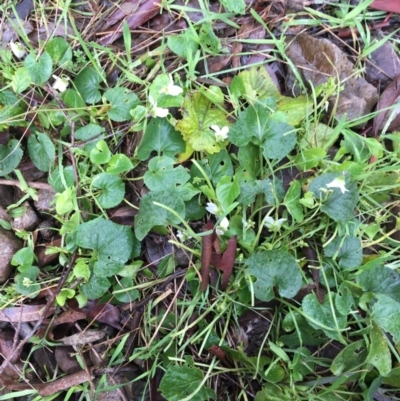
(212, 208)
(220, 133)
(17, 49)
(224, 224)
(60, 84)
(272, 224)
(157, 111)
(171, 89)
(338, 182)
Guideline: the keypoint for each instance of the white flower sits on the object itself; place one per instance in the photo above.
(60, 84)
(157, 111)
(17, 49)
(171, 89)
(338, 182)
(222, 226)
(220, 133)
(212, 208)
(272, 224)
(182, 236)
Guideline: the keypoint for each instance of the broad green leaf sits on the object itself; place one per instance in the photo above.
(91, 134)
(275, 268)
(379, 353)
(157, 92)
(350, 358)
(66, 201)
(119, 164)
(57, 181)
(73, 100)
(344, 300)
(249, 163)
(40, 70)
(348, 250)
(96, 287)
(182, 381)
(23, 257)
(10, 156)
(272, 392)
(184, 44)
(199, 114)
(151, 215)
(87, 83)
(296, 109)
(208, 40)
(220, 166)
(21, 80)
(110, 189)
(160, 136)
(393, 378)
(81, 270)
(234, 6)
(309, 158)
(60, 51)
(129, 294)
(263, 127)
(122, 101)
(318, 135)
(254, 84)
(162, 174)
(272, 193)
(26, 281)
(320, 315)
(381, 280)
(292, 199)
(100, 154)
(386, 312)
(227, 191)
(64, 294)
(113, 243)
(41, 151)
(337, 205)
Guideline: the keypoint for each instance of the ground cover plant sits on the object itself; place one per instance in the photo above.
(199, 200)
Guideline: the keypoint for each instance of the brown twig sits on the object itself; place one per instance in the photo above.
(36, 185)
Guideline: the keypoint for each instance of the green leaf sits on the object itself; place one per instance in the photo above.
(66, 201)
(275, 268)
(208, 40)
(21, 80)
(348, 250)
(88, 132)
(161, 137)
(321, 314)
(87, 83)
(234, 6)
(249, 191)
(23, 257)
(379, 353)
(292, 199)
(100, 154)
(26, 281)
(309, 158)
(96, 287)
(337, 205)
(318, 135)
(64, 294)
(386, 313)
(184, 44)
(254, 84)
(161, 174)
(113, 243)
(151, 215)
(227, 191)
(41, 151)
(56, 181)
(249, 160)
(296, 109)
(199, 114)
(73, 100)
(344, 300)
(122, 101)
(60, 51)
(119, 164)
(40, 70)
(156, 92)
(257, 124)
(129, 294)
(81, 270)
(10, 156)
(381, 280)
(182, 381)
(111, 189)
(350, 358)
